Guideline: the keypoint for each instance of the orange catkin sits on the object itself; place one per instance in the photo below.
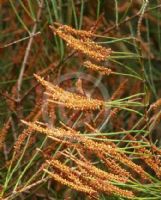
(3, 132)
(71, 184)
(70, 100)
(82, 44)
(102, 70)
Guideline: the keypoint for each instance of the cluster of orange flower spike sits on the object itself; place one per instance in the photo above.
(82, 44)
(87, 179)
(147, 157)
(75, 138)
(68, 99)
(69, 177)
(96, 171)
(84, 176)
(69, 30)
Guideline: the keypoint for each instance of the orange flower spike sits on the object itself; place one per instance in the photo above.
(84, 45)
(81, 188)
(102, 70)
(68, 99)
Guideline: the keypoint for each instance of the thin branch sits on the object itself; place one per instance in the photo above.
(27, 52)
(20, 40)
(143, 10)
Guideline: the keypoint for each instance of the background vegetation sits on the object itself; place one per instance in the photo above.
(132, 29)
